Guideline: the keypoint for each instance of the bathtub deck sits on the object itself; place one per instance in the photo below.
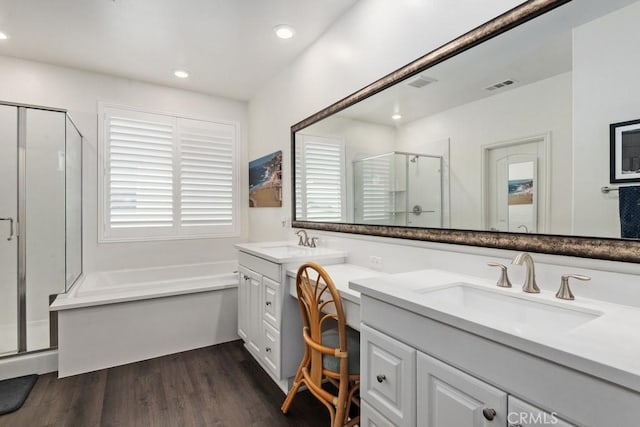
(214, 386)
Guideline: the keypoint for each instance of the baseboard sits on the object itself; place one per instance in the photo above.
(41, 362)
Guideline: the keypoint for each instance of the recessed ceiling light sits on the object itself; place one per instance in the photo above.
(284, 31)
(3, 36)
(181, 74)
(396, 116)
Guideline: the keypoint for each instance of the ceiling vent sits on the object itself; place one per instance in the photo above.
(501, 84)
(421, 81)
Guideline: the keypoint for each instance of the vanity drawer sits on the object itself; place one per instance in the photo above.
(271, 300)
(388, 376)
(271, 353)
(369, 417)
(259, 265)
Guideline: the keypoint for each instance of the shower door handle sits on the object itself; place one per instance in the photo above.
(11, 228)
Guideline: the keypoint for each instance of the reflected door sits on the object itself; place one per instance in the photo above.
(515, 196)
(8, 241)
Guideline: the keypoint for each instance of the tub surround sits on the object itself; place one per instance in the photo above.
(590, 365)
(112, 287)
(119, 317)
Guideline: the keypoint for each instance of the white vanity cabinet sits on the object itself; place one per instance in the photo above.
(417, 371)
(268, 318)
(260, 310)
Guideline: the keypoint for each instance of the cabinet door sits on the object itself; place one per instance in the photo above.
(448, 397)
(387, 376)
(372, 418)
(254, 332)
(271, 301)
(522, 414)
(243, 303)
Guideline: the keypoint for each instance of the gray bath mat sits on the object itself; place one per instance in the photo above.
(14, 392)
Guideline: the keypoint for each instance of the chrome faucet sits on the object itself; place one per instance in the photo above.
(529, 284)
(304, 238)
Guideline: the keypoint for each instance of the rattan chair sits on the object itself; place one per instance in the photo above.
(332, 351)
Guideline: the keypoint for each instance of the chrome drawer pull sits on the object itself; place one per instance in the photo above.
(381, 378)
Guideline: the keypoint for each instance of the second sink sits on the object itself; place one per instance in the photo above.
(500, 310)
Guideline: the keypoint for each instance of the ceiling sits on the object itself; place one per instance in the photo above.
(534, 51)
(228, 46)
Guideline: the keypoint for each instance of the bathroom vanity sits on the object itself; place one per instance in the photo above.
(264, 302)
(443, 349)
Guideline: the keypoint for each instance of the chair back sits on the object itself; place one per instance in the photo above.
(320, 305)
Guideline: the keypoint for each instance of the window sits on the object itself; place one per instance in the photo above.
(166, 177)
(319, 182)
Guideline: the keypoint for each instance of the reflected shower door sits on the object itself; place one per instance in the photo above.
(8, 241)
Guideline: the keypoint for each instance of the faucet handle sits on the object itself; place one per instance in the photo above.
(565, 291)
(503, 281)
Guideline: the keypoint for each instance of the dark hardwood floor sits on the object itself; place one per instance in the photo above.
(214, 386)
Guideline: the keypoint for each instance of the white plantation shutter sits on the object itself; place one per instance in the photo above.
(207, 159)
(377, 198)
(166, 177)
(320, 190)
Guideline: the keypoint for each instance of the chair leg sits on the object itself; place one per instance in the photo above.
(297, 382)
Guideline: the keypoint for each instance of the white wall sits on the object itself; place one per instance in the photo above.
(534, 109)
(79, 92)
(372, 39)
(603, 48)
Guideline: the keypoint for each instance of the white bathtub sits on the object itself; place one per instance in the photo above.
(109, 287)
(117, 317)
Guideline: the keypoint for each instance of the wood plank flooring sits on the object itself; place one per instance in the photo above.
(214, 386)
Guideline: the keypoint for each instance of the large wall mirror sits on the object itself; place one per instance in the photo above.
(500, 138)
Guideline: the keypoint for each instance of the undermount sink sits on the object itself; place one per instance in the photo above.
(511, 313)
(285, 248)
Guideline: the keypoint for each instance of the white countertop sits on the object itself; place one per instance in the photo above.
(285, 252)
(342, 274)
(607, 347)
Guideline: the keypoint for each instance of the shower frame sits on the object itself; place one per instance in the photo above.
(21, 221)
(406, 177)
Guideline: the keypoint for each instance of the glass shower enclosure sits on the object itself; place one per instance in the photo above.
(398, 188)
(40, 222)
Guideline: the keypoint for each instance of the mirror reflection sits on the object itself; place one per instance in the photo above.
(511, 135)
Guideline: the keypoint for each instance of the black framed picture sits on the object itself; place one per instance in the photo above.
(625, 151)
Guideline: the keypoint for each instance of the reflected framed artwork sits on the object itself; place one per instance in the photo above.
(625, 151)
(265, 181)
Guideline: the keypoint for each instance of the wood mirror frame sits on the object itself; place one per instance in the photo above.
(578, 246)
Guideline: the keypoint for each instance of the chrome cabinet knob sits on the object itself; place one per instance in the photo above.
(246, 277)
(268, 349)
(268, 303)
(489, 413)
(381, 378)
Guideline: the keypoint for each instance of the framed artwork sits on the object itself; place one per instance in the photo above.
(625, 151)
(265, 181)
